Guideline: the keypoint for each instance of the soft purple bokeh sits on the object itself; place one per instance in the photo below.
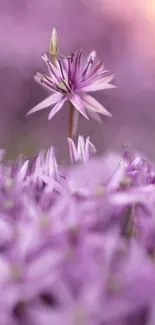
(122, 35)
(77, 244)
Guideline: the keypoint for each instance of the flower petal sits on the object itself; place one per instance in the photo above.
(88, 65)
(100, 84)
(23, 171)
(52, 99)
(97, 87)
(91, 56)
(93, 105)
(95, 116)
(89, 148)
(81, 147)
(55, 71)
(76, 66)
(52, 69)
(57, 107)
(97, 69)
(72, 150)
(78, 104)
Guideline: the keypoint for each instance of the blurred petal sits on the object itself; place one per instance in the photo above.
(23, 171)
(95, 116)
(72, 150)
(89, 148)
(83, 151)
(81, 147)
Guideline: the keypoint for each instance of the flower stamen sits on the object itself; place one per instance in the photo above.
(61, 69)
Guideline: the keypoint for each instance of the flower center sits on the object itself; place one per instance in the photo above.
(62, 86)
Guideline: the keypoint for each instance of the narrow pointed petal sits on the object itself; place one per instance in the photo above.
(52, 99)
(78, 104)
(81, 148)
(76, 67)
(88, 82)
(107, 78)
(95, 116)
(88, 65)
(96, 83)
(55, 71)
(97, 87)
(91, 56)
(89, 148)
(52, 69)
(23, 171)
(72, 150)
(93, 105)
(57, 107)
(39, 79)
(97, 69)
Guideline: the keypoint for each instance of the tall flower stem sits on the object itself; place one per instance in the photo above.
(71, 115)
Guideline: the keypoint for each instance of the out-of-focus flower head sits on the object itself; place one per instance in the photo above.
(78, 246)
(84, 149)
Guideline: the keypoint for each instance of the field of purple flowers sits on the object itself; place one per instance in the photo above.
(77, 220)
(77, 240)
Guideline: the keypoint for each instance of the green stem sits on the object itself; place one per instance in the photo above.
(71, 113)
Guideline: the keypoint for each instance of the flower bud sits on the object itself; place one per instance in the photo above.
(54, 44)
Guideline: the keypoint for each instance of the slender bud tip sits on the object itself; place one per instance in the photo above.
(54, 43)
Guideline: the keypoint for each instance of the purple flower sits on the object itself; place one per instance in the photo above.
(44, 167)
(84, 149)
(97, 175)
(70, 80)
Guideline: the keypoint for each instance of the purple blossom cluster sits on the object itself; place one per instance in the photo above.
(69, 80)
(77, 243)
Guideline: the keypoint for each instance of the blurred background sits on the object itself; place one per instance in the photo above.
(122, 32)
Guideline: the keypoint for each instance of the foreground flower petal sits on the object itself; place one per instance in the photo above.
(84, 149)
